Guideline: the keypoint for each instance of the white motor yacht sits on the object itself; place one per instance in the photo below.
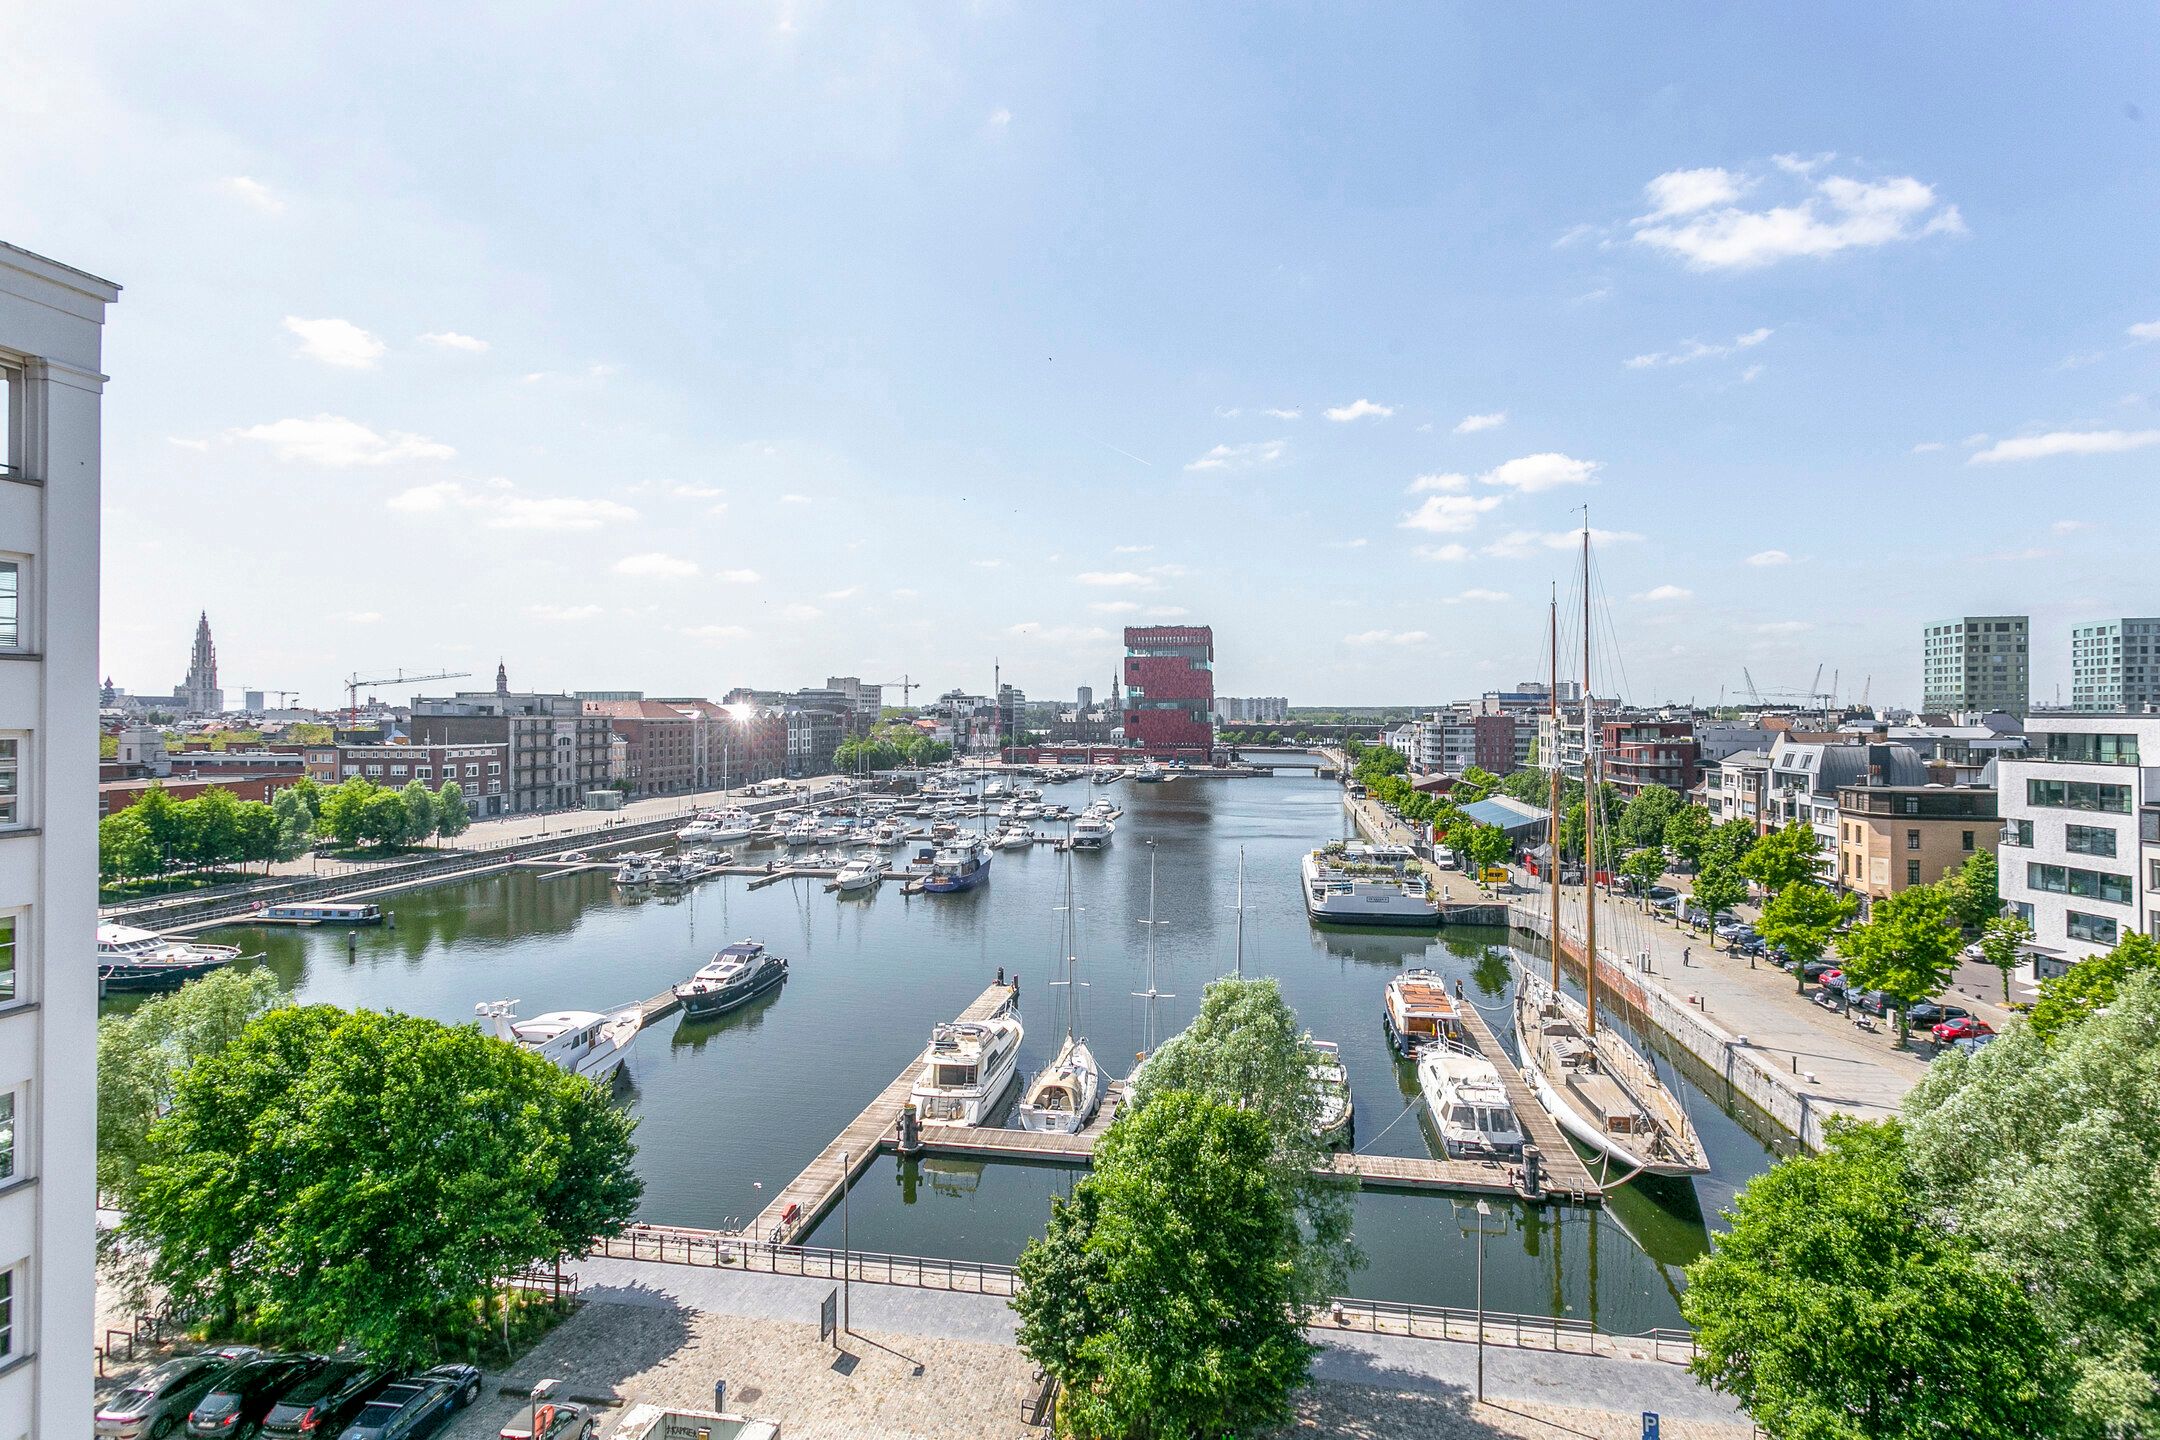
(583, 1042)
(1014, 837)
(802, 832)
(967, 1069)
(857, 876)
(1331, 1086)
(634, 870)
(1091, 832)
(1354, 884)
(1469, 1105)
(889, 835)
(698, 831)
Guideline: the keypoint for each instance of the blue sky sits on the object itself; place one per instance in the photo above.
(685, 347)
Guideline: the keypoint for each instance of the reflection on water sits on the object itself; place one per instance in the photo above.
(730, 1109)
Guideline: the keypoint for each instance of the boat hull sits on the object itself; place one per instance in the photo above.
(143, 977)
(713, 1004)
(954, 884)
(1375, 918)
(1579, 1127)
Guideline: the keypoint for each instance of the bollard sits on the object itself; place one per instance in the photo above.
(1001, 975)
(390, 918)
(1533, 1165)
(719, 1396)
(910, 1131)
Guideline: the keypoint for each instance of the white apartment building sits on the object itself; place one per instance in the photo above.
(1249, 709)
(2080, 851)
(51, 320)
(2115, 666)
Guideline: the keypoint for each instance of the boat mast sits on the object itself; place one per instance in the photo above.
(1151, 994)
(1552, 766)
(1071, 981)
(1241, 912)
(1590, 805)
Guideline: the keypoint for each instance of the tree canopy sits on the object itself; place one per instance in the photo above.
(1974, 891)
(1162, 1295)
(1840, 1306)
(1718, 887)
(2092, 984)
(1245, 1048)
(2002, 945)
(1687, 831)
(1801, 919)
(334, 1177)
(1907, 948)
(1783, 857)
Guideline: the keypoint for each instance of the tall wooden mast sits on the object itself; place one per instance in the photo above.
(1590, 808)
(1552, 767)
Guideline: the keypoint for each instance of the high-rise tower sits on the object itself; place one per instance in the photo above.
(199, 693)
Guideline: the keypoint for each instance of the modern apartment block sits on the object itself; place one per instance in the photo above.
(51, 321)
(2115, 667)
(2080, 851)
(1977, 662)
(1252, 709)
(1170, 690)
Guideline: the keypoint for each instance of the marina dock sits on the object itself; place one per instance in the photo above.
(803, 1200)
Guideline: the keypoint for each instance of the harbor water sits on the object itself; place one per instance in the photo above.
(729, 1110)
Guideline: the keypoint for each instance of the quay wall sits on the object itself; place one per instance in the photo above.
(1719, 1050)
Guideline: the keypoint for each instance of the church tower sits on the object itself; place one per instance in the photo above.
(200, 694)
(502, 678)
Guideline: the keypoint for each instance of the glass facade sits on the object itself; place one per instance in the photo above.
(2077, 795)
(2089, 840)
(2093, 929)
(2091, 749)
(2085, 884)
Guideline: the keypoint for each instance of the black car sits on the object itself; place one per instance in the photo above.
(465, 1377)
(406, 1410)
(246, 1393)
(323, 1401)
(1930, 1013)
(1814, 969)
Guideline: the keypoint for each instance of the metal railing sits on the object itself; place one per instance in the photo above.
(1563, 1334)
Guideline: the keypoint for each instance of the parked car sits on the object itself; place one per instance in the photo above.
(1963, 1027)
(1971, 1044)
(1662, 893)
(465, 1377)
(1669, 904)
(1816, 969)
(1832, 980)
(1731, 928)
(235, 1406)
(324, 1401)
(1929, 1013)
(408, 1409)
(160, 1399)
(552, 1420)
(1874, 1002)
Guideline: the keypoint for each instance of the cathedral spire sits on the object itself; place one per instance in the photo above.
(502, 678)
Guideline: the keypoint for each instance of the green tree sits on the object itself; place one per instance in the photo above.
(256, 834)
(164, 823)
(2092, 984)
(2044, 1152)
(125, 849)
(1687, 832)
(419, 802)
(1840, 1306)
(1643, 868)
(1728, 841)
(1160, 1296)
(452, 817)
(384, 820)
(2002, 945)
(1643, 821)
(1783, 857)
(366, 1178)
(1245, 1049)
(1801, 919)
(343, 812)
(211, 826)
(295, 823)
(1973, 891)
(1907, 948)
(1486, 845)
(1474, 784)
(1718, 888)
(142, 1053)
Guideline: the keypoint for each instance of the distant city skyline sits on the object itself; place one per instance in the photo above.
(754, 345)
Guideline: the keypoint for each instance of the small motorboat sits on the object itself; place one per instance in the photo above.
(731, 979)
(1331, 1087)
(858, 877)
(1420, 1013)
(1469, 1105)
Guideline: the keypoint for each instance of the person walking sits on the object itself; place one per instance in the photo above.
(1687, 955)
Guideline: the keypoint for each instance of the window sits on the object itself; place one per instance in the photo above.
(397, 769)
(10, 782)
(423, 772)
(1912, 839)
(7, 958)
(10, 605)
(2077, 795)
(494, 767)
(2085, 884)
(2017, 832)
(2023, 910)
(7, 1136)
(7, 1312)
(1965, 840)
(2089, 840)
(471, 771)
(374, 770)
(1912, 872)
(2093, 749)
(2097, 929)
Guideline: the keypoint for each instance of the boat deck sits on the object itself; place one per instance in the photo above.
(1565, 1172)
(818, 1187)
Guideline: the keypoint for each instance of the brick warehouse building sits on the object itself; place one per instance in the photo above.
(1170, 690)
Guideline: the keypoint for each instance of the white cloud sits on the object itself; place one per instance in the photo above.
(1471, 424)
(336, 342)
(1251, 454)
(848, 594)
(1683, 192)
(988, 564)
(695, 492)
(738, 577)
(2145, 330)
(1112, 579)
(2070, 527)
(1750, 375)
(1426, 484)
(1386, 637)
(1277, 412)
(800, 612)
(1058, 634)
(653, 565)
(253, 192)
(1475, 596)
(1784, 627)
(1448, 514)
(1710, 232)
(1927, 447)
(334, 441)
(1693, 350)
(2065, 442)
(1519, 544)
(1115, 607)
(1358, 410)
(1574, 234)
(1529, 474)
(452, 340)
(500, 509)
(1443, 554)
(1803, 165)
(1975, 441)
(186, 444)
(565, 613)
(904, 593)
(1131, 549)
(1000, 118)
(1167, 612)
(1769, 557)
(1665, 592)
(1356, 542)
(714, 632)
(361, 617)
(794, 499)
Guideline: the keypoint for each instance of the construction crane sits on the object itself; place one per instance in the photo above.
(282, 695)
(354, 681)
(904, 685)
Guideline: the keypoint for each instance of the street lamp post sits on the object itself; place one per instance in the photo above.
(1483, 1210)
(847, 1248)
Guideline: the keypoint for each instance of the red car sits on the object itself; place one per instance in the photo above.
(1963, 1027)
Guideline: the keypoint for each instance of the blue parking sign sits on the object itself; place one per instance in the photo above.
(1649, 1425)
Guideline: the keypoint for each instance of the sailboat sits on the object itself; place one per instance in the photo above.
(1151, 994)
(1064, 1097)
(1595, 1084)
